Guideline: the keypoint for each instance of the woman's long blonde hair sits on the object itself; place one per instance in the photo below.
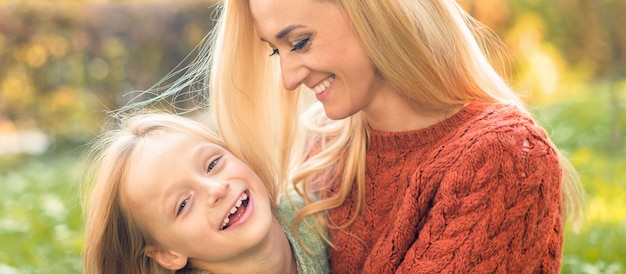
(114, 243)
(433, 52)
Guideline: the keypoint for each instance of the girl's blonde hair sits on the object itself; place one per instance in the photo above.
(114, 243)
(432, 52)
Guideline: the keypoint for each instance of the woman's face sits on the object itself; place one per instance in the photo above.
(196, 199)
(318, 48)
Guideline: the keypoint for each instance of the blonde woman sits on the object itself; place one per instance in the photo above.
(429, 162)
(167, 196)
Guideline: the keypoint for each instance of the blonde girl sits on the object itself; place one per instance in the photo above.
(165, 195)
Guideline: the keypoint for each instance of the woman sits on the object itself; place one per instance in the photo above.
(428, 163)
(166, 196)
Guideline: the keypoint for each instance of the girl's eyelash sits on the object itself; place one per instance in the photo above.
(213, 163)
(181, 206)
(274, 52)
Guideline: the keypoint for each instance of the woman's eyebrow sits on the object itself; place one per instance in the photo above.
(281, 34)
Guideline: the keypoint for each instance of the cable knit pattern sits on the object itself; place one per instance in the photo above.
(477, 193)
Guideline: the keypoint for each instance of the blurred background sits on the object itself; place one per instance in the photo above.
(64, 63)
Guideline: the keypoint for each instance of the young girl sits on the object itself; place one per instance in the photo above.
(167, 196)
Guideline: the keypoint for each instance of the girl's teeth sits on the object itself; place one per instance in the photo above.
(234, 209)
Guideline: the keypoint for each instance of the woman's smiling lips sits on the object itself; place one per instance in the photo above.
(319, 88)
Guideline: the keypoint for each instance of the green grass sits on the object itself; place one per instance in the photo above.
(40, 217)
(600, 247)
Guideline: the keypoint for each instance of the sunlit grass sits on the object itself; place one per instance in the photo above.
(41, 222)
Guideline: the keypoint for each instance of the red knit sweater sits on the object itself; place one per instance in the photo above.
(477, 193)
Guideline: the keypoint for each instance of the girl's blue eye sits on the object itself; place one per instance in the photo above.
(274, 52)
(212, 164)
(301, 44)
(181, 206)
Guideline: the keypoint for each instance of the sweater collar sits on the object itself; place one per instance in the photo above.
(384, 140)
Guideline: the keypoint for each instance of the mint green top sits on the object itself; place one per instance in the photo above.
(315, 262)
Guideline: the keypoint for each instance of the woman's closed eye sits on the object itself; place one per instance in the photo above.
(274, 52)
(300, 44)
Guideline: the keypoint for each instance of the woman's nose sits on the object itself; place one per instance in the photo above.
(293, 71)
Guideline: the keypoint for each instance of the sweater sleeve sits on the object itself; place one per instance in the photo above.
(495, 208)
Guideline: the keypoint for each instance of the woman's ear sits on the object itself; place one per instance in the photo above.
(166, 258)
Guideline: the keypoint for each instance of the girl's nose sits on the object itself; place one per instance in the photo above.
(216, 190)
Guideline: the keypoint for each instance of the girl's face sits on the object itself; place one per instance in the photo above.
(196, 199)
(318, 48)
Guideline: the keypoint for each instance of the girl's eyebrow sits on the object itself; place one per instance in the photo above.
(170, 196)
(281, 34)
(173, 193)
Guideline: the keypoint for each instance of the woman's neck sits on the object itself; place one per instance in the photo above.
(274, 255)
(391, 112)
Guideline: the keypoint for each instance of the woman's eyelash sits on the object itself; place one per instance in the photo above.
(181, 206)
(301, 44)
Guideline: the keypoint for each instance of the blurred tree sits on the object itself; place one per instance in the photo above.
(591, 33)
(62, 64)
(587, 35)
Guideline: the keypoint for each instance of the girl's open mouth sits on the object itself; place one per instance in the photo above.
(236, 212)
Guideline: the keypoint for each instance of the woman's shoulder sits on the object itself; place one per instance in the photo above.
(497, 132)
(498, 115)
(494, 122)
(500, 142)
